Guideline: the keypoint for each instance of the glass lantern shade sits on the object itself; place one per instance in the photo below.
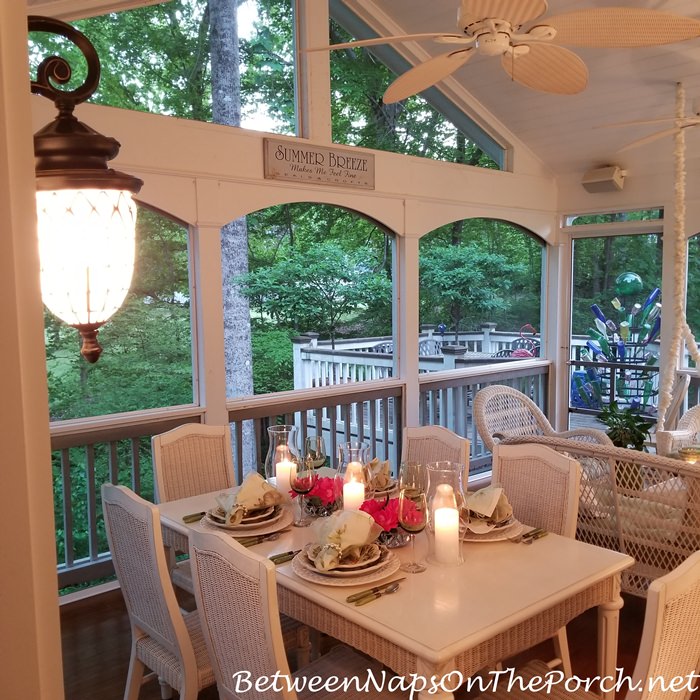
(86, 249)
(282, 456)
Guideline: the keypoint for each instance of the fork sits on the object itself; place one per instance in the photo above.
(527, 536)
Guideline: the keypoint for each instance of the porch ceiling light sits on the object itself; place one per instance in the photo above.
(86, 214)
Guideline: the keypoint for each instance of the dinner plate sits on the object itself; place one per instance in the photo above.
(271, 519)
(481, 527)
(513, 529)
(253, 516)
(345, 570)
(387, 490)
(303, 568)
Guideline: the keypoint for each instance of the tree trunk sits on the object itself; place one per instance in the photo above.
(226, 108)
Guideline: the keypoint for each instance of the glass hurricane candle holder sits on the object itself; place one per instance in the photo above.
(282, 457)
(446, 545)
(352, 469)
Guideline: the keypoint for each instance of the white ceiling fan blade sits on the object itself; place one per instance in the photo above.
(621, 27)
(426, 74)
(547, 68)
(515, 11)
(648, 139)
(452, 38)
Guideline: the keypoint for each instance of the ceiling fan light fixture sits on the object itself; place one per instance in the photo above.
(493, 43)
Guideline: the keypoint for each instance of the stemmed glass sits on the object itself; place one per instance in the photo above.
(413, 508)
(301, 481)
(314, 451)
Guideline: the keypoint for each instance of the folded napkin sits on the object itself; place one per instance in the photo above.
(255, 493)
(489, 504)
(341, 536)
(380, 474)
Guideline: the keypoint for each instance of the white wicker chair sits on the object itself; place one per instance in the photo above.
(189, 460)
(669, 649)
(543, 487)
(501, 412)
(433, 443)
(163, 639)
(236, 594)
(193, 459)
(664, 440)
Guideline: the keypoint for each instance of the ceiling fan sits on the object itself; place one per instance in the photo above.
(533, 56)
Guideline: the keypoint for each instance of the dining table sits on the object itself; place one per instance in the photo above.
(443, 626)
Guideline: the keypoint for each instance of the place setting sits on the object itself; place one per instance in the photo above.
(344, 552)
(487, 516)
(256, 509)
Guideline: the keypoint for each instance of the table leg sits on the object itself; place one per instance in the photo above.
(440, 680)
(608, 626)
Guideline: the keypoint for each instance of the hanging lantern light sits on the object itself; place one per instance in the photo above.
(86, 214)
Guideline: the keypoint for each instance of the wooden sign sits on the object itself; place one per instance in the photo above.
(286, 160)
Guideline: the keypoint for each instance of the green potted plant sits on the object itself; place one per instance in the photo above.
(626, 427)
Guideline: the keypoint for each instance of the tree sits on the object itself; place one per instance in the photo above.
(319, 289)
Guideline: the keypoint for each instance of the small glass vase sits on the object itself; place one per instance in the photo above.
(393, 539)
(316, 509)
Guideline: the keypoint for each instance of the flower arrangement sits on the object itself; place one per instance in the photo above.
(386, 513)
(324, 497)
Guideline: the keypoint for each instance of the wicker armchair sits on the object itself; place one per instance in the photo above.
(433, 443)
(637, 503)
(236, 594)
(543, 488)
(502, 412)
(686, 433)
(163, 639)
(669, 649)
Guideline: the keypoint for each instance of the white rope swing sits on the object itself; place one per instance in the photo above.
(681, 329)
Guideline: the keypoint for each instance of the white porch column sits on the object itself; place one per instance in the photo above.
(210, 323)
(314, 81)
(30, 641)
(406, 323)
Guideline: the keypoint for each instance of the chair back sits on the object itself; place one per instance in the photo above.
(670, 646)
(542, 485)
(236, 594)
(504, 411)
(678, 394)
(192, 459)
(433, 443)
(136, 544)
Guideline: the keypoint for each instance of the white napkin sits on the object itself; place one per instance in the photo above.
(255, 493)
(341, 536)
(380, 474)
(489, 504)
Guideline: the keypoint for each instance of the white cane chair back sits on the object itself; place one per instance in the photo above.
(503, 412)
(163, 639)
(670, 646)
(236, 595)
(542, 485)
(433, 443)
(687, 433)
(192, 459)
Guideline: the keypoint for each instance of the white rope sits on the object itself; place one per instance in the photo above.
(680, 329)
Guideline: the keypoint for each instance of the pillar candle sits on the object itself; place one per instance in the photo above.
(446, 525)
(283, 471)
(353, 495)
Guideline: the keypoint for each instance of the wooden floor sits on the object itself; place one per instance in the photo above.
(96, 639)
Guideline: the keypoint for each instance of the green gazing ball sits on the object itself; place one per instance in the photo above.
(628, 283)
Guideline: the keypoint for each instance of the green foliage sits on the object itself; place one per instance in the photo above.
(626, 428)
(273, 364)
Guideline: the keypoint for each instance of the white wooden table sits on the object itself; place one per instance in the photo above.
(505, 598)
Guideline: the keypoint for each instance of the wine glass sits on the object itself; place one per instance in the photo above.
(413, 508)
(301, 481)
(314, 451)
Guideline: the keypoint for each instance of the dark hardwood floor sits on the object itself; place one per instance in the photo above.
(96, 641)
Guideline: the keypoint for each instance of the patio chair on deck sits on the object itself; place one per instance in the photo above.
(236, 594)
(542, 486)
(670, 439)
(502, 412)
(433, 443)
(669, 649)
(163, 639)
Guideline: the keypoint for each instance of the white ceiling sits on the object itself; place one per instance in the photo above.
(624, 84)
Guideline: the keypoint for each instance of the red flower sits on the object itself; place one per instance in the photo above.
(325, 490)
(386, 513)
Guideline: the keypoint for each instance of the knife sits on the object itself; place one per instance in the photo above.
(284, 556)
(536, 536)
(377, 589)
(193, 517)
